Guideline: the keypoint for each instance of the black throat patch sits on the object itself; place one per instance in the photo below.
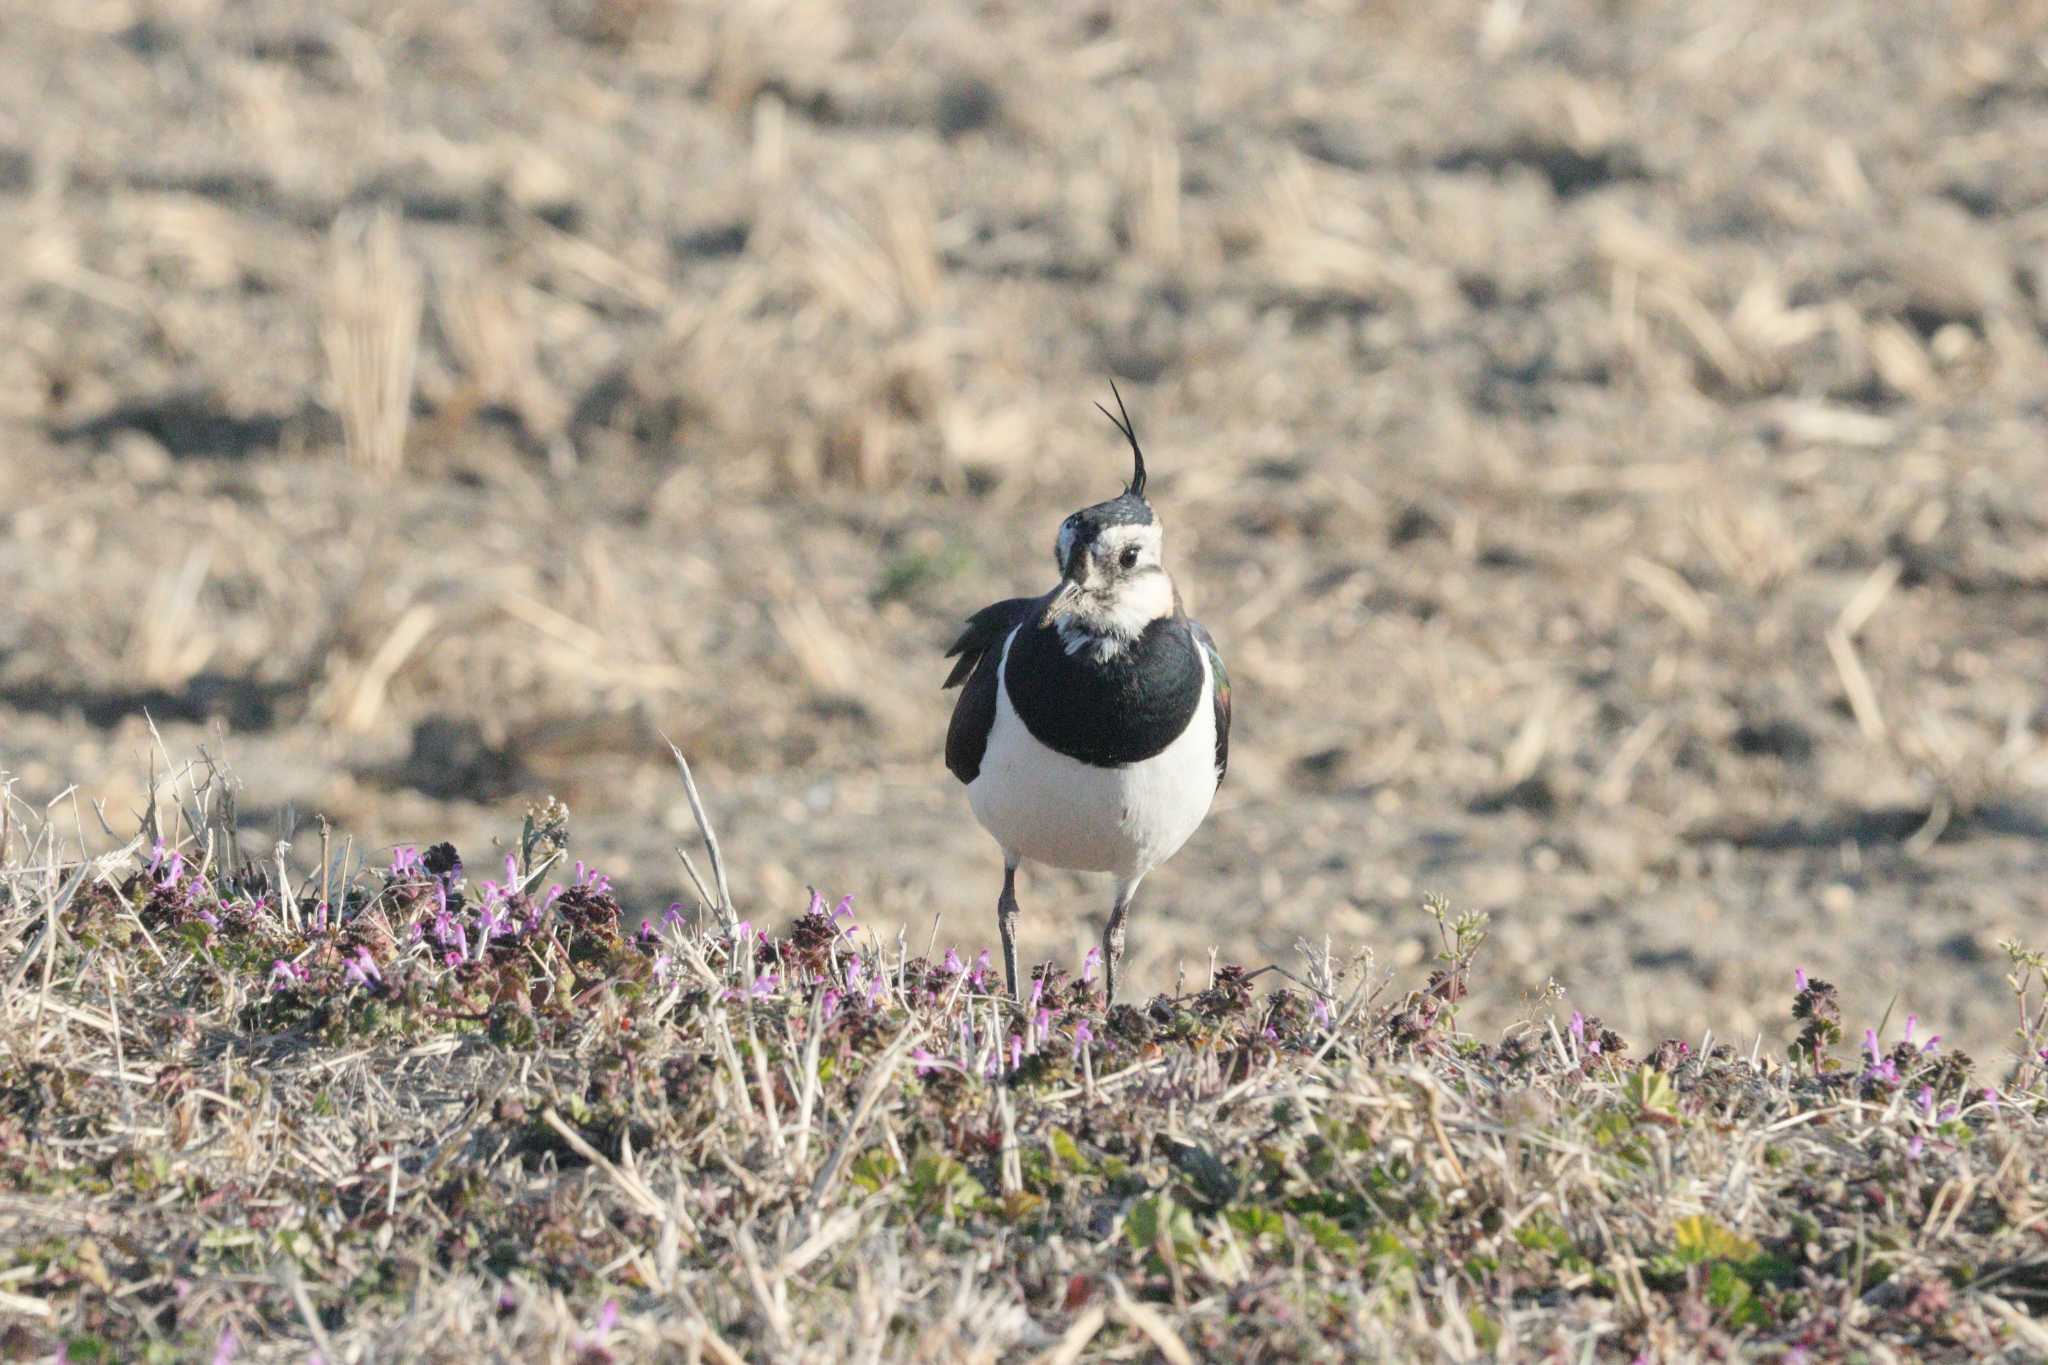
(1107, 713)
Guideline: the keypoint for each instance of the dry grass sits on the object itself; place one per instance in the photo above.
(371, 336)
(259, 1105)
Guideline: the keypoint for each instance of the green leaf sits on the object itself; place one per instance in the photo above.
(1544, 1233)
(1327, 1235)
(873, 1169)
(1729, 1292)
(1390, 1251)
(1065, 1150)
(1158, 1215)
(1651, 1091)
(1702, 1238)
(1254, 1223)
(939, 1182)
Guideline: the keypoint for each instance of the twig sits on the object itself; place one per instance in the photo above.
(633, 1187)
(725, 906)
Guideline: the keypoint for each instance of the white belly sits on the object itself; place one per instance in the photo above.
(1062, 812)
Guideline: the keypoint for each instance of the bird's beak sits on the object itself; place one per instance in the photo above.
(1067, 594)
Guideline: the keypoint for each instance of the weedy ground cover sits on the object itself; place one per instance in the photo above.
(448, 1105)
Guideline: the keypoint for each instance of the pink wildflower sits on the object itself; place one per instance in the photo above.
(363, 970)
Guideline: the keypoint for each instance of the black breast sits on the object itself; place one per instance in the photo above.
(1112, 712)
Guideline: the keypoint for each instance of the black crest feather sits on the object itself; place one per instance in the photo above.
(1123, 424)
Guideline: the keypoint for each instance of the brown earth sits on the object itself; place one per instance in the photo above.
(1610, 442)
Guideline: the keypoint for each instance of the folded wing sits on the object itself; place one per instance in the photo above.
(1219, 690)
(979, 651)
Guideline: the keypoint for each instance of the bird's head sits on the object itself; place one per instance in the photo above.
(1113, 579)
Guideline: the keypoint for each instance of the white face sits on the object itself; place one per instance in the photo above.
(1123, 583)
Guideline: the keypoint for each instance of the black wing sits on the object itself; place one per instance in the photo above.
(980, 651)
(1219, 688)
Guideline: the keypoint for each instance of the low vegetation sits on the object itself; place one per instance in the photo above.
(454, 1106)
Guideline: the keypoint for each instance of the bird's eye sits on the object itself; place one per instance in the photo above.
(1129, 558)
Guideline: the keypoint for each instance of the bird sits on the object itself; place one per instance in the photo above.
(1092, 728)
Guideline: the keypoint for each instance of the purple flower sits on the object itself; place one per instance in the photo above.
(664, 967)
(1083, 1035)
(925, 1062)
(1927, 1101)
(1016, 1052)
(1799, 978)
(1912, 1022)
(1578, 1029)
(646, 934)
(1037, 991)
(951, 966)
(1991, 1098)
(1090, 964)
(1915, 1147)
(491, 921)
(592, 1347)
(224, 1349)
(1322, 1012)
(363, 970)
(284, 975)
(765, 985)
(828, 1006)
(1870, 1044)
(212, 920)
(671, 918)
(843, 911)
(1041, 1023)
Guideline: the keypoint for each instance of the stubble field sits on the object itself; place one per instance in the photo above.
(1606, 440)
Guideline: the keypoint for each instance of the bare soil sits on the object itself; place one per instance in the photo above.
(1609, 441)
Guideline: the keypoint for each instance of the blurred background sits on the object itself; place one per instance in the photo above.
(1609, 441)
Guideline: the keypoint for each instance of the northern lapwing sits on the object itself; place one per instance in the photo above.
(1095, 725)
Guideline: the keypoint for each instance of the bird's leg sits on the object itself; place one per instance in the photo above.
(1113, 938)
(1006, 921)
